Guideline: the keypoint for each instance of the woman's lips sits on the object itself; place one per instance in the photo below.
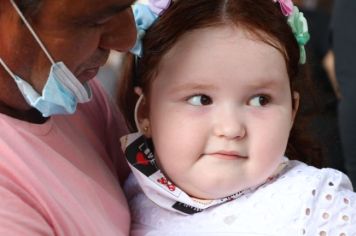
(88, 74)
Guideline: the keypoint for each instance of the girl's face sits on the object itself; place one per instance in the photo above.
(220, 112)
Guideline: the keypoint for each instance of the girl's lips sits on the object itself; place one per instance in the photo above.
(88, 74)
(227, 155)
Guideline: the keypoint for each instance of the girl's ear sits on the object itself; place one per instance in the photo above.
(295, 104)
(145, 127)
(142, 118)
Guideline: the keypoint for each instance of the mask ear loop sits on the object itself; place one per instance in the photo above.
(138, 103)
(7, 69)
(32, 32)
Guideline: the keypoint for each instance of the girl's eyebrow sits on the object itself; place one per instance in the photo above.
(265, 83)
(193, 86)
(262, 82)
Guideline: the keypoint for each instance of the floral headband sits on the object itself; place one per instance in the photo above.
(146, 14)
(298, 23)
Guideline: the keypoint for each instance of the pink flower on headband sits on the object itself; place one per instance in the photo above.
(157, 6)
(286, 6)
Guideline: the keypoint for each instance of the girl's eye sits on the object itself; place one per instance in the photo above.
(259, 101)
(200, 100)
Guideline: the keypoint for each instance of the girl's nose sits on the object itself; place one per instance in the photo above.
(120, 34)
(229, 124)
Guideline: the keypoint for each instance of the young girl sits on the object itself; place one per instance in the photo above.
(218, 98)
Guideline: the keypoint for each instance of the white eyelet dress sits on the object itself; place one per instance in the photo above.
(302, 200)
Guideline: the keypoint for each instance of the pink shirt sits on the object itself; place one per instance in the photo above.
(60, 178)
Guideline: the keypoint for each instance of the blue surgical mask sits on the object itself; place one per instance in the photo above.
(62, 90)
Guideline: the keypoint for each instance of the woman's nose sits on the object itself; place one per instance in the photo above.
(229, 124)
(120, 34)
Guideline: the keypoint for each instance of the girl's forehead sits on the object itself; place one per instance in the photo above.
(209, 40)
(229, 70)
(218, 50)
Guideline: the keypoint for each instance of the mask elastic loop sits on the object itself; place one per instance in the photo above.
(136, 112)
(7, 68)
(32, 32)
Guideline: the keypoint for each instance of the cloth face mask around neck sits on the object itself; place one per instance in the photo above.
(62, 90)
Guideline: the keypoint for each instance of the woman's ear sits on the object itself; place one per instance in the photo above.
(295, 105)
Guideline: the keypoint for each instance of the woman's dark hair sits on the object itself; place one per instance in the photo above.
(261, 18)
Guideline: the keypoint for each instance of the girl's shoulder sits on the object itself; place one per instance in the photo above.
(319, 181)
(329, 202)
(318, 187)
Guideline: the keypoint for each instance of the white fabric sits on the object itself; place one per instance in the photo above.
(302, 201)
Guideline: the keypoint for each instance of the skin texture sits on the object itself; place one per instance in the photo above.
(220, 112)
(80, 33)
